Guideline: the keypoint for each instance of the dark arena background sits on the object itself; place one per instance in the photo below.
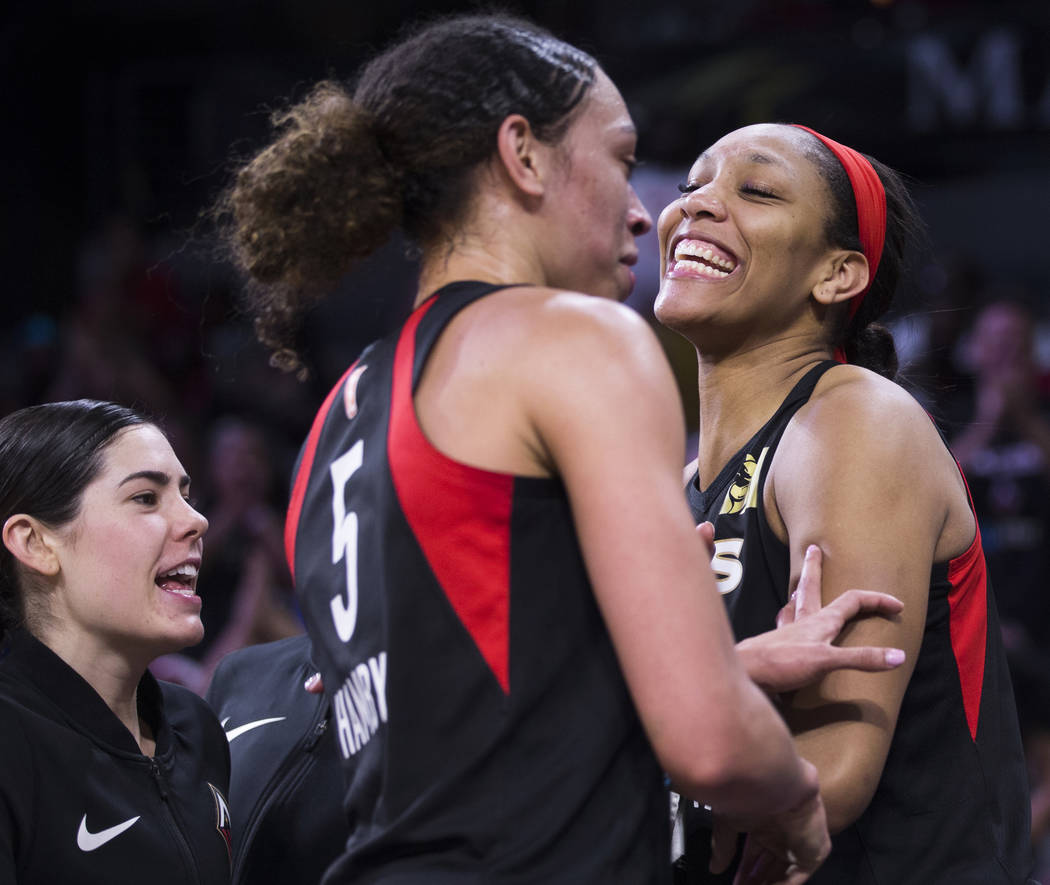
(122, 118)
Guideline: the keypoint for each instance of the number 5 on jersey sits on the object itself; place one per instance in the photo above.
(344, 540)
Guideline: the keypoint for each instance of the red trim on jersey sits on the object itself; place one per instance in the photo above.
(460, 516)
(968, 621)
(302, 476)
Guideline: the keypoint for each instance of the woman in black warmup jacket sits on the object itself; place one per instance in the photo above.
(108, 776)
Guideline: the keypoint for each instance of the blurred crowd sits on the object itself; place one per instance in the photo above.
(155, 323)
(977, 353)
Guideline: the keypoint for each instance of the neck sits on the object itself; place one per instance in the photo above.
(492, 247)
(740, 392)
(112, 675)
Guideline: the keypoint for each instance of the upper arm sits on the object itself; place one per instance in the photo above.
(862, 474)
(615, 434)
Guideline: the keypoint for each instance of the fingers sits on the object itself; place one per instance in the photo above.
(868, 658)
(314, 685)
(706, 531)
(723, 846)
(855, 602)
(756, 863)
(787, 614)
(807, 593)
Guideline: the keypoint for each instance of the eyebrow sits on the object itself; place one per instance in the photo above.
(155, 476)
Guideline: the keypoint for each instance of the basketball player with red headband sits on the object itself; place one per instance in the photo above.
(781, 253)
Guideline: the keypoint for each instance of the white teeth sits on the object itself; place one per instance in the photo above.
(693, 249)
(697, 267)
(183, 591)
(186, 570)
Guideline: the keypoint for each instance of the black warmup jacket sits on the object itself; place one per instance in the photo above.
(79, 803)
(286, 787)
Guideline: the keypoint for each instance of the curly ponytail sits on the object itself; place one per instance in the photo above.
(345, 171)
(300, 213)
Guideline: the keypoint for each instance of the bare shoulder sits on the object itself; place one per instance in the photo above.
(559, 331)
(852, 406)
(564, 314)
(861, 437)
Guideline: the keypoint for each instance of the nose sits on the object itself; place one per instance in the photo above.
(703, 201)
(196, 524)
(639, 221)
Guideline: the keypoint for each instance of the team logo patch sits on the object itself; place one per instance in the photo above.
(350, 391)
(743, 493)
(222, 819)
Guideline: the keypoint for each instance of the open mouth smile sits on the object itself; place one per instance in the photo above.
(698, 257)
(182, 579)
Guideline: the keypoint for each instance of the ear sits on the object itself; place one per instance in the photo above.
(31, 544)
(844, 275)
(521, 155)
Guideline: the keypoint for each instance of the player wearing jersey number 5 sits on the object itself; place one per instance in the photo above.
(781, 252)
(509, 606)
(107, 776)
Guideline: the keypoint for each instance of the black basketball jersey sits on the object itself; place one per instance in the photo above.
(487, 732)
(952, 805)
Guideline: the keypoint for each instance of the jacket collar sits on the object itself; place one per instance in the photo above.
(65, 695)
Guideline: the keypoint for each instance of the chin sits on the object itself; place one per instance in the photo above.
(180, 638)
(666, 316)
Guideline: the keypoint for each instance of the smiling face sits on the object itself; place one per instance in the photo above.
(594, 213)
(745, 244)
(128, 561)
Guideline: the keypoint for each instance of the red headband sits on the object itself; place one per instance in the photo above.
(870, 197)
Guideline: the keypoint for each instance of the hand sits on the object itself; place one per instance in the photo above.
(787, 850)
(724, 835)
(800, 650)
(314, 685)
(783, 849)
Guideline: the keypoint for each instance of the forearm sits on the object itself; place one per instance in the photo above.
(748, 768)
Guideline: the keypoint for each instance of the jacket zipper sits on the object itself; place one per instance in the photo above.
(188, 857)
(300, 758)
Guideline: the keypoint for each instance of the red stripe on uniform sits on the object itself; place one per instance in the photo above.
(968, 625)
(302, 476)
(460, 516)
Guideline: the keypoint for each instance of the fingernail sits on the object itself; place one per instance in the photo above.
(312, 681)
(811, 550)
(894, 656)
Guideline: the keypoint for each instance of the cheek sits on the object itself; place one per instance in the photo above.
(119, 550)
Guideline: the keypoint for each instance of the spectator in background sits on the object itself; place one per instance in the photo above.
(247, 532)
(1004, 449)
(929, 336)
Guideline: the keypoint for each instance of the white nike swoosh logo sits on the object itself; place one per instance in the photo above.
(248, 726)
(88, 841)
